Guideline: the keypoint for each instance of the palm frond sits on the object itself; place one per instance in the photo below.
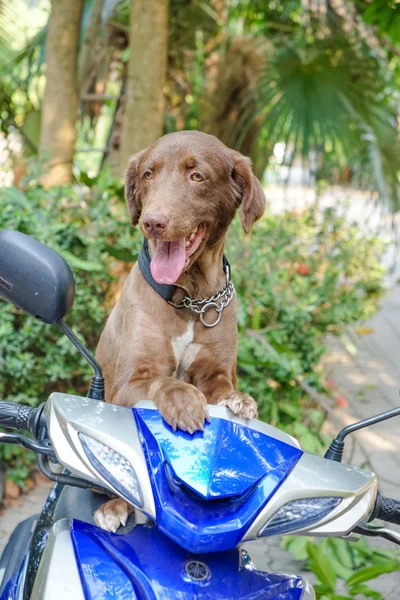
(7, 51)
(385, 15)
(328, 98)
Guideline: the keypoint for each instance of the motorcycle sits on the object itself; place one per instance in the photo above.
(197, 497)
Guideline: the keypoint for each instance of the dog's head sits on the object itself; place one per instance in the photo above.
(183, 190)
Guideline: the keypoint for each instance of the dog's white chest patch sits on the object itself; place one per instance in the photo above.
(185, 351)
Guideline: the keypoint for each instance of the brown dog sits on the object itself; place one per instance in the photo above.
(183, 191)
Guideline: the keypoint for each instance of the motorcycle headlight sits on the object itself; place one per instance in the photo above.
(299, 514)
(114, 468)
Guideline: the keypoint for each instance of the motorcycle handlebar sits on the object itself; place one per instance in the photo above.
(387, 509)
(18, 416)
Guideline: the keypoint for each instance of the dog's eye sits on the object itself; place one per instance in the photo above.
(148, 175)
(196, 177)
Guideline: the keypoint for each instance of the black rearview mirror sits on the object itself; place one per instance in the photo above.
(34, 277)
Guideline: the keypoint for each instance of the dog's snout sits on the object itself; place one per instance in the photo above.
(154, 224)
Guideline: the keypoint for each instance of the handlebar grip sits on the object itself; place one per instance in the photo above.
(17, 416)
(389, 510)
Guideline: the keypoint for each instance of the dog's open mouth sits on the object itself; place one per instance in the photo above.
(170, 258)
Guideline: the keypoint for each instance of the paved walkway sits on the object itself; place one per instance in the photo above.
(365, 365)
(26, 506)
(364, 368)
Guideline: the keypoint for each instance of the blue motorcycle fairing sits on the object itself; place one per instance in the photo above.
(9, 592)
(14, 587)
(146, 565)
(209, 487)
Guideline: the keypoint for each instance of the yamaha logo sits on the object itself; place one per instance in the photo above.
(197, 571)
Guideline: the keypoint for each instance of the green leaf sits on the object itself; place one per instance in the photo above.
(125, 55)
(340, 570)
(296, 545)
(342, 556)
(11, 194)
(290, 409)
(31, 126)
(122, 254)
(322, 591)
(370, 573)
(79, 263)
(366, 591)
(321, 566)
(105, 179)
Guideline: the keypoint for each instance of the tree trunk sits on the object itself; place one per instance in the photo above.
(88, 51)
(60, 102)
(147, 69)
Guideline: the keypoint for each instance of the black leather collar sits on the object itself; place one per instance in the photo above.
(164, 290)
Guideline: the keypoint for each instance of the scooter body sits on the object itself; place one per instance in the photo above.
(196, 497)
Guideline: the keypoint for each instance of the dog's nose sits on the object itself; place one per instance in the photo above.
(154, 224)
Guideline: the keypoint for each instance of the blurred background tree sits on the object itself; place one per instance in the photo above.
(60, 99)
(278, 80)
(146, 76)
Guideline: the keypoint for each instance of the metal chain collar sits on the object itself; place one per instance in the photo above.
(218, 302)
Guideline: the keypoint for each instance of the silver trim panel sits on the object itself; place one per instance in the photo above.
(114, 426)
(58, 577)
(314, 476)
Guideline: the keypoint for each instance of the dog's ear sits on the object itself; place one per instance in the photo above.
(252, 195)
(131, 187)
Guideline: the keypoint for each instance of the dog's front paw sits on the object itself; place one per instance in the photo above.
(182, 406)
(242, 405)
(113, 514)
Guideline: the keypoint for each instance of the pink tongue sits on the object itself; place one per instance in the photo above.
(168, 261)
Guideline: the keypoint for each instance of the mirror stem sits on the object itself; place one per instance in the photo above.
(96, 390)
(335, 450)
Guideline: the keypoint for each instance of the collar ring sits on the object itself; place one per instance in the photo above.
(205, 309)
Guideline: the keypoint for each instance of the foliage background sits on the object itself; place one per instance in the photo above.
(311, 85)
(298, 276)
(319, 77)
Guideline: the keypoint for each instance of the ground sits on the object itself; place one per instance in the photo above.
(364, 368)
(27, 505)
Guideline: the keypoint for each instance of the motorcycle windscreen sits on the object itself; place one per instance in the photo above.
(209, 487)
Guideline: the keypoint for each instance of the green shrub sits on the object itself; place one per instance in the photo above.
(89, 228)
(287, 308)
(342, 569)
(298, 276)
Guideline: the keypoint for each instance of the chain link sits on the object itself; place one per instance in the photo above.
(219, 301)
(198, 306)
